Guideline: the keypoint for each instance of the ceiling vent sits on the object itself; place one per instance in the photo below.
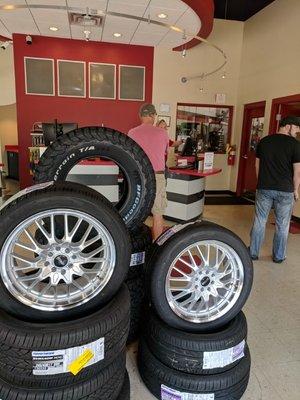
(85, 20)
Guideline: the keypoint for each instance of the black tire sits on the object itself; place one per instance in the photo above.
(78, 199)
(125, 391)
(62, 155)
(229, 385)
(192, 352)
(141, 243)
(105, 385)
(136, 289)
(164, 254)
(19, 339)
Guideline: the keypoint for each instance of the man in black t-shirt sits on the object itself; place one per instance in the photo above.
(278, 165)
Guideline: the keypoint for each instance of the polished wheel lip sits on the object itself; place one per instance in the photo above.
(205, 282)
(104, 266)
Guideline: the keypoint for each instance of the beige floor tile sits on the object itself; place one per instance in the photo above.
(284, 377)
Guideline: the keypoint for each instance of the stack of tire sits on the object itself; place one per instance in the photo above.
(194, 346)
(136, 200)
(141, 243)
(65, 253)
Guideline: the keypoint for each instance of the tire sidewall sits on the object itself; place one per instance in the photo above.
(165, 254)
(14, 216)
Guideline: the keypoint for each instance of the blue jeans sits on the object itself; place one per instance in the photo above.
(283, 203)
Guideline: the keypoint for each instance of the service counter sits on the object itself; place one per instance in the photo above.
(186, 193)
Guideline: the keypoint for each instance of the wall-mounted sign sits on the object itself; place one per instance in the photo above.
(164, 108)
(39, 76)
(71, 78)
(132, 83)
(102, 81)
(220, 98)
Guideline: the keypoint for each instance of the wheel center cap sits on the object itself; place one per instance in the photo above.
(61, 261)
(205, 281)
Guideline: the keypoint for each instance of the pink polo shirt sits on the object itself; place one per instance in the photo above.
(155, 143)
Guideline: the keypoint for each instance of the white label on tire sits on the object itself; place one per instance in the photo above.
(170, 232)
(219, 359)
(57, 361)
(171, 394)
(138, 258)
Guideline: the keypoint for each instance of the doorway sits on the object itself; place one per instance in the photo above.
(282, 107)
(253, 127)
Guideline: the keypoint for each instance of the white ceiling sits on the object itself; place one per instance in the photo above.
(37, 21)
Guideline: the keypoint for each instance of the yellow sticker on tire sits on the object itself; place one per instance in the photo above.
(80, 362)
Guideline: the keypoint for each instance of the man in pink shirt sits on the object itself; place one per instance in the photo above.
(155, 143)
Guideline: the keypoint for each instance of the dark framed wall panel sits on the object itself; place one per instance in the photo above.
(39, 76)
(132, 82)
(102, 81)
(71, 78)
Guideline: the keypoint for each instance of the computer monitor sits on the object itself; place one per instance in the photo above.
(52, 131)
(189, 147)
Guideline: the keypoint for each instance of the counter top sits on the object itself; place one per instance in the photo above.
(12, 148)
(195, 172)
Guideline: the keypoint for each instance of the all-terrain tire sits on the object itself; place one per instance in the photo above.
(141, 243)
(136, 289)
(69, 149)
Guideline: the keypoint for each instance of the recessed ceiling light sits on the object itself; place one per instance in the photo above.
(162, 16)
(53, 28)
(116, 34)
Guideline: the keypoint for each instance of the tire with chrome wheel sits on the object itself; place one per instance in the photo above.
(35, 354)
(65, 251)
(200, 276)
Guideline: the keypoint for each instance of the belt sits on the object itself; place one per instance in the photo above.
(159, 172)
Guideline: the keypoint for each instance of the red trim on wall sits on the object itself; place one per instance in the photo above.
(117, 114)
(4, 38)
(242, 164)
(205, 10)
(274, 110)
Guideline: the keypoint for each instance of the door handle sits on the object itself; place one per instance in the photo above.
(245, 157)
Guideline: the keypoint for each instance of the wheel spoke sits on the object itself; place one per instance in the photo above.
(75, 229)
(181, 272)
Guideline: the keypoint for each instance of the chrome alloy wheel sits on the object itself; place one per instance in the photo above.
(58, 259)
(204, 281)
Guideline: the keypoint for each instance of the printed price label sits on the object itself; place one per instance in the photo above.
(172, 394)
(170, 232)
(58, 361)
(219, 359)
(138, 259)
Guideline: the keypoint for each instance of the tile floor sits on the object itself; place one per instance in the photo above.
(273, 315)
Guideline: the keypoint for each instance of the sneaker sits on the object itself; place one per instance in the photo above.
(275, 260)
(254, 258)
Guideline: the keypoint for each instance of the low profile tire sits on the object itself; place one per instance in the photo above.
(75, 270)
(125, 391)
(71, 148)
(141, 243)
(136, 289)
(164, 382)
(105, 385)
(194, 353)
(18, 340)
(199, 277)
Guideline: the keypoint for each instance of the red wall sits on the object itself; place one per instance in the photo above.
(118, 114)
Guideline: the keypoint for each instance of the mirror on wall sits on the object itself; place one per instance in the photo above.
(209, 125)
